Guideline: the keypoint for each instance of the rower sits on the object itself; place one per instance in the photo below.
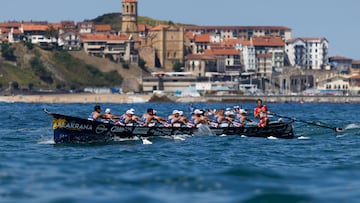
(241, 119)
(198, 118)
(96, 114)
(129, 118)
(109, 116)
(183, 119)
(261, 111)
(150, 118)
(174, 119)
(220, 119)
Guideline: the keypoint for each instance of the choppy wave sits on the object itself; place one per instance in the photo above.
(179, 168)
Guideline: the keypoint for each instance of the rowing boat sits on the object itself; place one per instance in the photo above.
(70, 129)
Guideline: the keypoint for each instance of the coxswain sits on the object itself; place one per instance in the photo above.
(261, 112)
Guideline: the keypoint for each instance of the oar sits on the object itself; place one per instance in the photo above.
(310, 123)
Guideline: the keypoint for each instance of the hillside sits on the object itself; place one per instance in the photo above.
(33, 69)
(61, 71)
(114, 19)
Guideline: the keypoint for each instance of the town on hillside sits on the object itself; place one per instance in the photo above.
(192, 60)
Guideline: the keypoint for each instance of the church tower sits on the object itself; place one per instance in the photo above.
(129, 17)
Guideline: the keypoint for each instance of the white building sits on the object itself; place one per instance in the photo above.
(309, 53)
(247, 51)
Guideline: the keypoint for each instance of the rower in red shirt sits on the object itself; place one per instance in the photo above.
(261, 112)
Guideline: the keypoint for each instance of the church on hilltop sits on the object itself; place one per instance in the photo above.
(161, 46)
(130, 17)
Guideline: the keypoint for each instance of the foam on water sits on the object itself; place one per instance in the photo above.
(352, 126)
(145, 141)
(47, 142)
(303, 138)
(180, 137)
(272, 138)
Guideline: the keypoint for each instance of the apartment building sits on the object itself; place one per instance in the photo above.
(308, 53)
(243, 32)
(108, 45)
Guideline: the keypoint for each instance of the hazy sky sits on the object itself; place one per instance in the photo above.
(337, 20)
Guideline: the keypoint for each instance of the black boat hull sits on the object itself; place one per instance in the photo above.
(68, 129)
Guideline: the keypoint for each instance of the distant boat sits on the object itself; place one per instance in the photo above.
(69, 129)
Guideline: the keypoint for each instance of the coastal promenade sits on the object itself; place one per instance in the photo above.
(140, 98)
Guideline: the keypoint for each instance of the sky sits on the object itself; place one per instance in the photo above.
(336, 20)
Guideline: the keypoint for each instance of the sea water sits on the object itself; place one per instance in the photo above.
(319, 165)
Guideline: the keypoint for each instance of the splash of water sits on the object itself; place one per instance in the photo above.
(47, 141)
(203, 130)
(303, 138)
(352, 126)
(272, 138)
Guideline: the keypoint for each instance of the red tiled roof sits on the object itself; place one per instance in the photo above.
(271, 28)
(313, 38)
(189, 35)
(4, 30)
(35, 27)
(222, 52)
(104, 37)
(17, 31)
(355, 77)
(103, 28)
(130, 1)
(159, 27)
(200, 57)
(233, 42)
(143, 27)
(271, 41)
(202, 38)
(10, 24)
(356, 62)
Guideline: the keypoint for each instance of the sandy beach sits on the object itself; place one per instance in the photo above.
(77, 98)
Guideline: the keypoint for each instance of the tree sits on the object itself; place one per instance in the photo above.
(8, 52)
(178, 67)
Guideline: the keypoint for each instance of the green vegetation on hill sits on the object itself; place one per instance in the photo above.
(53, 70)
(114, 19)
(82, 74)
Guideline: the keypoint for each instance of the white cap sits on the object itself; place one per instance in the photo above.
(228, 109)
(130, 111)
(107, 110)
(242, 111)
(228, 113)
(236, 107)
(181, 113)
(197, 111)
(175, 112)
